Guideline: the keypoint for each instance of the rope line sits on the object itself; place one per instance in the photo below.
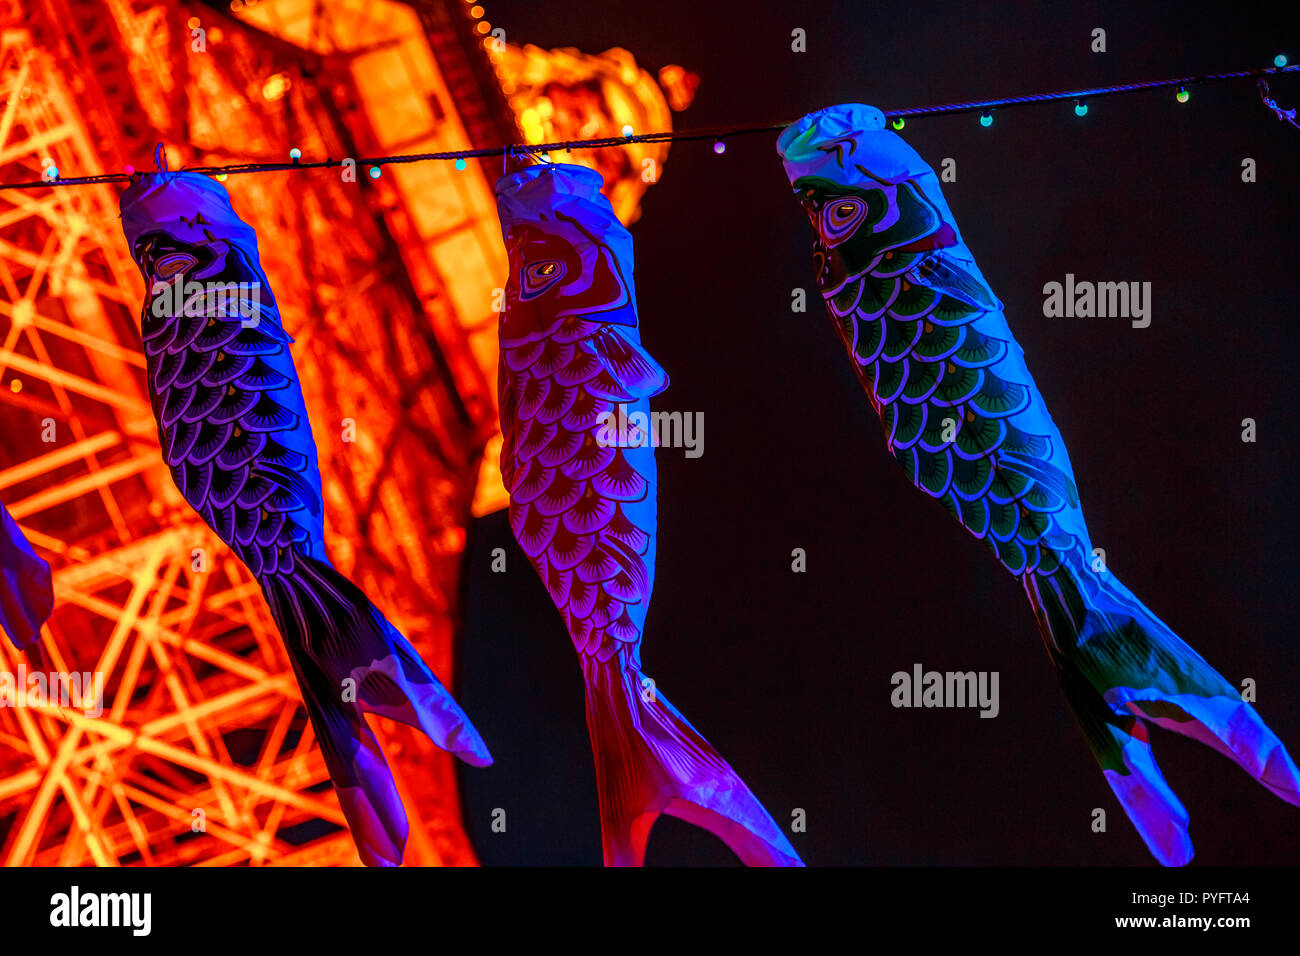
(716, 134)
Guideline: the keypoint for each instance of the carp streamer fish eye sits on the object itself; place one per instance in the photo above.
(168, 266)
(540, 276)
(841, 218)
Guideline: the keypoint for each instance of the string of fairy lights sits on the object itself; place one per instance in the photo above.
(897, 119)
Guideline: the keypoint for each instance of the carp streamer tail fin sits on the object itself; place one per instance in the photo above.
(650, 760)
(26, 586)
(350, 661)
(1125, 671)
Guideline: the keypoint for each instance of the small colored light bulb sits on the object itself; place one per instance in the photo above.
(460, 164)
(220, 177)
(1080, 108)
(128, 169)
(374, 172)
(627, 130)
(719, 147)
(1279, 60)
(986, 118)
(897, 122)
(1182, 95)
(295, 154)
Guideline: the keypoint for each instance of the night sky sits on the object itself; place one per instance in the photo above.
(788, 675)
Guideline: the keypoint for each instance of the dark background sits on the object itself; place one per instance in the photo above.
(788, 674)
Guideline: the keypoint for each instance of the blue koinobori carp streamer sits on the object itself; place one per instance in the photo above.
(582, 505)
(26, 588)
(235, 435)
(931, 346)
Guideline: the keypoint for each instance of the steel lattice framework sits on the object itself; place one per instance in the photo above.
(202, 753)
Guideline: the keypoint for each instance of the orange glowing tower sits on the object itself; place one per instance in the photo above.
(202, 753)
